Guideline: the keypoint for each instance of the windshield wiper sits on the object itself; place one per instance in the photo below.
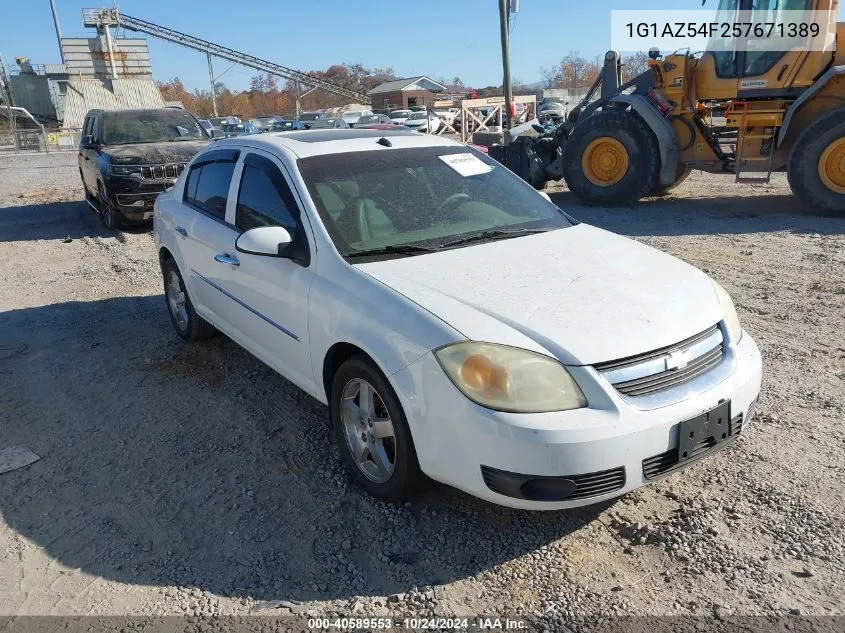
(396, 249)
(491, 235)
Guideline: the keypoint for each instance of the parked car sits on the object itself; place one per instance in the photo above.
(423, 122)
(447, 114)
(266, 123)
(322, 124)
(127, 157)
(285, 126)
(239, 129)
(399, 117)
(351, 116)
(455, 321)
(373, 119)
(552, 109)
(218, 122)
(207, 126)
(306, 117)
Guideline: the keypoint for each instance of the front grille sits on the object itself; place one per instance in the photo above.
(168, 171)
(539, 487)
(650, 372)
(665, 463)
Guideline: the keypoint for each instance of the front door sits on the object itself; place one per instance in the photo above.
(269, 295)
(88, 156)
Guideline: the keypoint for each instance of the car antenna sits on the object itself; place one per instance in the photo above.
(384, 141)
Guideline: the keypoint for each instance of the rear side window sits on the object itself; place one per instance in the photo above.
(265, 200)
(207, 187)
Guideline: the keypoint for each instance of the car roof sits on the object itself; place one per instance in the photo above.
(306, 143)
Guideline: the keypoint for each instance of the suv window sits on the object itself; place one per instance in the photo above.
(264, 199)
(207, 187)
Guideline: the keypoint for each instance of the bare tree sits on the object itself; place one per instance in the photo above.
(634, 64)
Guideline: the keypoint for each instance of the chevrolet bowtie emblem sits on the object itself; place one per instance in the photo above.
(677, 360)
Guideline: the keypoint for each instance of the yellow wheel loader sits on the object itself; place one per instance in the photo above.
(738, 111)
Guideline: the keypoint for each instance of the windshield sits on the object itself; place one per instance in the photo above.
(420, 196)
(400, 114)
(369, 118)
(150, 126)
(309, 116)
(418, 115)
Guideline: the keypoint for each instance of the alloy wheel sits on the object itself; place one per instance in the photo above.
(176, 300)
(368, 430)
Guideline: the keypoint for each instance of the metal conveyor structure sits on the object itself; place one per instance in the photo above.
(104, 18)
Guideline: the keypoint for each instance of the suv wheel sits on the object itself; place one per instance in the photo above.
(111, 217)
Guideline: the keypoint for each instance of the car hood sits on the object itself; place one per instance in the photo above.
(582, 294)
(154, 153)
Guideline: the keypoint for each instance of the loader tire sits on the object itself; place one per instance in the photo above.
(659, 190)
(816, 170)
(611, 159)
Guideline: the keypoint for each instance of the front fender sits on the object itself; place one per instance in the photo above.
(349, 306)
(667, 140)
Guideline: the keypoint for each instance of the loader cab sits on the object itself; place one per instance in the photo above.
(724, 73)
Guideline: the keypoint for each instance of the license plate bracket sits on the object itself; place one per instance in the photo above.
(704, 432)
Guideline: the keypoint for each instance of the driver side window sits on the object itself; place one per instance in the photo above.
(264, 198)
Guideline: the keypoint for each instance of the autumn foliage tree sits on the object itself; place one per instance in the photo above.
(268, 95)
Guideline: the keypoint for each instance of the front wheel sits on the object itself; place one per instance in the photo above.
(816, 169)
(111, 217)
(611, 159)
(372, 433)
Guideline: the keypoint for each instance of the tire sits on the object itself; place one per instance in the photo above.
(187, 323)
(639, 163)
(805, 169)
(660, 190)
(405, 477)
(112, 219)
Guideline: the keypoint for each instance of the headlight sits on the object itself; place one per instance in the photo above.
(731, 318)
(510, 379)
(124, 170)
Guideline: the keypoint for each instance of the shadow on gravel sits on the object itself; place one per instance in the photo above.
(165, 464)
(53, 221)
(704, 216)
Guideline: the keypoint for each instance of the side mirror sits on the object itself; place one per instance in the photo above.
(264, 240)
(87, 142)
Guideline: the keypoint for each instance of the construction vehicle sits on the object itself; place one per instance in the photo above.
(749, 113)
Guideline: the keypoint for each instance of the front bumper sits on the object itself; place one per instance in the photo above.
(135, 197)
(602, 451)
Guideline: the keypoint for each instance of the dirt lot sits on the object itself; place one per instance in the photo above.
(192, 479)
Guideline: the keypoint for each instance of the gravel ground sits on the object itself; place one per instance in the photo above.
(181, 479)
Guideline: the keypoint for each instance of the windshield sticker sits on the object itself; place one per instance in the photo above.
(466, 164)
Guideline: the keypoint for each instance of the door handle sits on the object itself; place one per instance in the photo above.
(225, 258)
(182, 231)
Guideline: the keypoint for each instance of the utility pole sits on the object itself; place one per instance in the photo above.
(58, 30)
(213, 89)
(504, 22)
(7, 97)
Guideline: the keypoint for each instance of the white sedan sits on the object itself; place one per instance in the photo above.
(457, 323)
(423, 122)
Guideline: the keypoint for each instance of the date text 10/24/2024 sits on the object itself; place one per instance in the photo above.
(418, 624)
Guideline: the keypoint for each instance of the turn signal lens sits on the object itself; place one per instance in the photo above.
(510, 379)
(731, 318)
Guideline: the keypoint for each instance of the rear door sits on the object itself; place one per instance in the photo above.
(208, 244)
